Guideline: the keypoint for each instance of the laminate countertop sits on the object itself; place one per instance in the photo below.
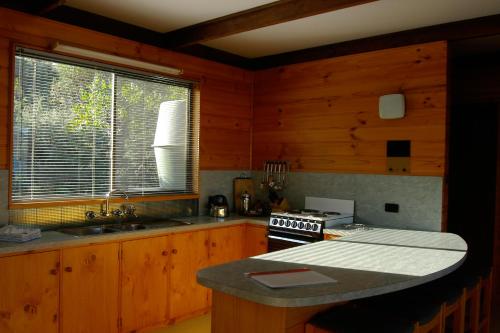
(365, 264)
(56, 239)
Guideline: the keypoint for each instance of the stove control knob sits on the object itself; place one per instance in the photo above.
(308, 226)
(288, 223)
(301, 225)
(282, 222)
(274, 222)
(315, 227)
(294, 224)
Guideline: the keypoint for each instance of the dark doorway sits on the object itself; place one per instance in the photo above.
(472, 178)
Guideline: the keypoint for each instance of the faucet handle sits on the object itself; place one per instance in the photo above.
(117, 212)
(129, 210)
(90, 215)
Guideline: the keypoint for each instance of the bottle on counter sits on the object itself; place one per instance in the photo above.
(245, 203)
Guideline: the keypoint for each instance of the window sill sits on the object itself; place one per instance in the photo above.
(41, 204)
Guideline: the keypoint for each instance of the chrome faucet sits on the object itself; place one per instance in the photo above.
(109, 195)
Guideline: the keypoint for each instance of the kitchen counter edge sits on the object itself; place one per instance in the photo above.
(54, 240)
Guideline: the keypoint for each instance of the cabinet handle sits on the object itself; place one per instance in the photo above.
(68, 269)
(174, 251)
(164, 252)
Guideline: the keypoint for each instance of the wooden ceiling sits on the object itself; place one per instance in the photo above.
(188, 39)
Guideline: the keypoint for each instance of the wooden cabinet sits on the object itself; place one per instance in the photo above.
(226, 244)
(188, 254)
(29, 294)
(255, 240)
(112, 287)
(145, 276)
(89, 295)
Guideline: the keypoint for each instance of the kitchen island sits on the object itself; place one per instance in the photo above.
(371, 263)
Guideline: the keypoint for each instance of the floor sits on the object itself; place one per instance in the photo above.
(195, 325)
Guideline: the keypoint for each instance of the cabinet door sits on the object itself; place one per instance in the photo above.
(144, 293)
(29, 294)
(89, 297)
(188, 254)
(226, 244)
(255, 240)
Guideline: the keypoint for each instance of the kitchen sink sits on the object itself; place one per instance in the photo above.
(166, 224)
(90, 230)
(105, 229)
(127, 226)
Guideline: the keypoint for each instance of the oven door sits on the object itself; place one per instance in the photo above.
(279, 241)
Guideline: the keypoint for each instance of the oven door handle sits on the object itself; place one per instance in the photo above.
(289, 240)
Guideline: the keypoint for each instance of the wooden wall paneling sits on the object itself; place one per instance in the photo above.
(225, 124)
(323, 115)
(29, 299)
(225, 91)
(22, 25)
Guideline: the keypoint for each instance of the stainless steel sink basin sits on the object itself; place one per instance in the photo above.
(90, 230)
(110, 228)
(166, 224)
(128, 226)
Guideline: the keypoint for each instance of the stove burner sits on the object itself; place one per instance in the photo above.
(356, 226)
(319, 215)
(309, 211)
(331, 213)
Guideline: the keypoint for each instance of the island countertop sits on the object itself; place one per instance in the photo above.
(364, 265)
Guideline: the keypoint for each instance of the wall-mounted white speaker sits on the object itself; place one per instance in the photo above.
(391, 106)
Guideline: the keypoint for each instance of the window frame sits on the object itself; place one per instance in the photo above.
(193, 145)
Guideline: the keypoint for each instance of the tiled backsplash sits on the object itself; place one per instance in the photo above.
(419, 198)
(218, 182)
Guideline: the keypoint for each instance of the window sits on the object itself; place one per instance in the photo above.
(82, 129)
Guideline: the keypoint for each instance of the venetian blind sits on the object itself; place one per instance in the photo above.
(81, 129)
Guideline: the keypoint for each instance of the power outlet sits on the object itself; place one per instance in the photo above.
(392, 207)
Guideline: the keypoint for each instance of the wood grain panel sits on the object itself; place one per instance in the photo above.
(233, 314)
(188, 254)
(89, 292)
(255, 240)
(29, 299)
(323, 115)
(226, 244)
(144, 292)
(226, 91)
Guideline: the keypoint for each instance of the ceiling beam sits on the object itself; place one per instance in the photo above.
(104, 24)
(36, 7)
(454, 31)
(48, 6)
(254, 18)
(110, 26)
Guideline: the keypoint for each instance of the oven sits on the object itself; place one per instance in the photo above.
(279, 241)
(300, 227)
(282, 237)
